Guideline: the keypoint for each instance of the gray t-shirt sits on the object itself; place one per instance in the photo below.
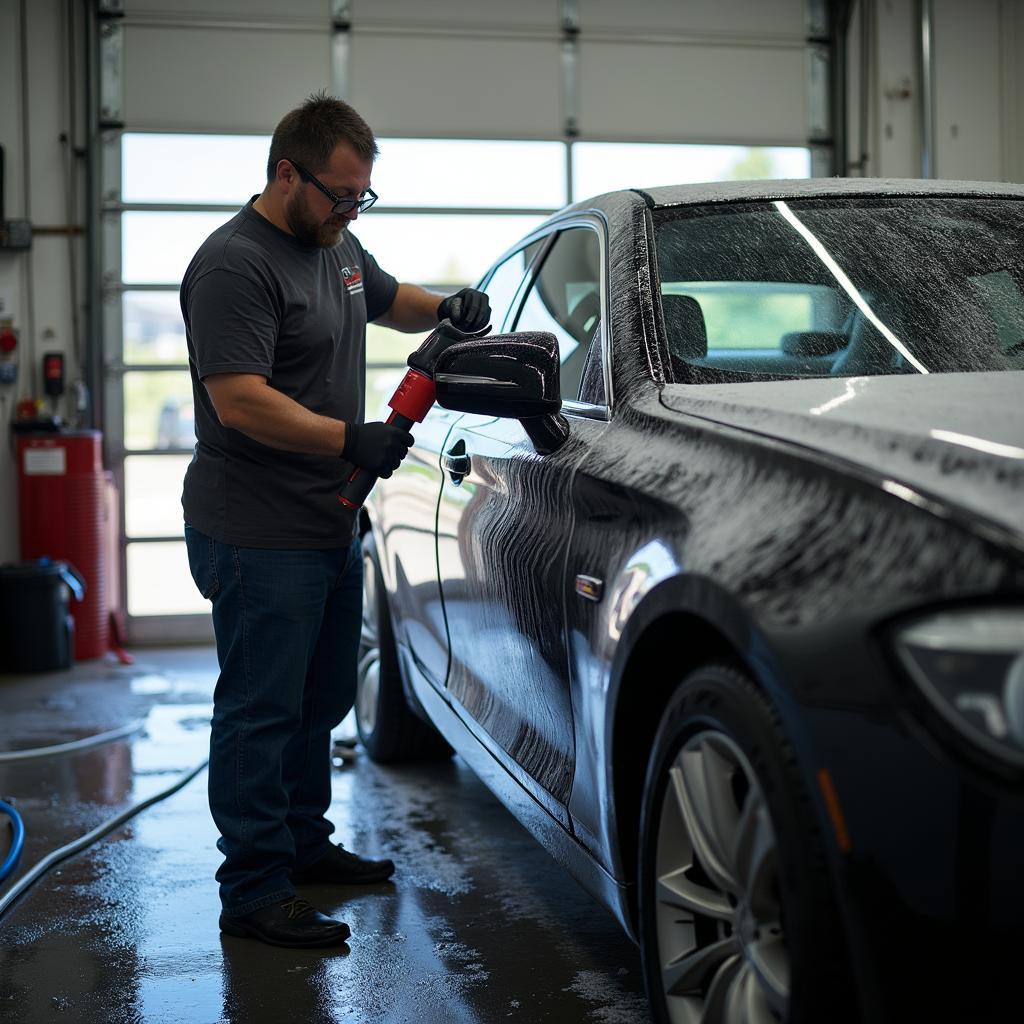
(256, 300)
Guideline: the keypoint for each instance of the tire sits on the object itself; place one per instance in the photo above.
(738, 922)
(389, 729)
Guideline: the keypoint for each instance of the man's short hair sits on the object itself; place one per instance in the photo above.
(308, 134)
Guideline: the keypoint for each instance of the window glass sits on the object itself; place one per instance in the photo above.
(503, 285)
(436, 249)
(195, 169)
(440, 249)
(1005, 301)
(152, 494)
(385, 345)
(470, 173)
(843, 286)
(153, 329)
(156, 248)
(386, 354)
(159, 581)
(381, 383)
(164, 168)
(605, 166)
(158, 410)
(565, 299)
(740, 315)
(592, 385)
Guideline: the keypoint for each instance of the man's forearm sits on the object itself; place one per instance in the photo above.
(414, 309)
(266, 415)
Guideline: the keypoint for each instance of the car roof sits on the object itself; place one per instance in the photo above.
(797, 188)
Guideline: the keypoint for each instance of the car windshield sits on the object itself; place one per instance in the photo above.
(850, 287)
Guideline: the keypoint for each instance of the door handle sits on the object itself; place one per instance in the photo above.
(457, 464)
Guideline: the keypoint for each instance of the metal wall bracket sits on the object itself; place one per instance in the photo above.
(111, 45)
(819, 113)
(570, 67)
(816, 19)
(819, 65)
(926, 97)
(341, 47)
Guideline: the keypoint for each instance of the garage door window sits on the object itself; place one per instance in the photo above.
(604, 166)
(446, 207)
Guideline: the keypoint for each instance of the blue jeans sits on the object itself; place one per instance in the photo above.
(287, 624)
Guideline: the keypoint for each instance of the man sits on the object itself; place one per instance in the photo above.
(275, 305)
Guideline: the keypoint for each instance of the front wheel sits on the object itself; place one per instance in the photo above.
(388, 728)
(737, 918)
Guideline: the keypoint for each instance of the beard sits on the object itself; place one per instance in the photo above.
(308, 229)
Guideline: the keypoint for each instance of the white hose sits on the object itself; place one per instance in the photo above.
(57, 749)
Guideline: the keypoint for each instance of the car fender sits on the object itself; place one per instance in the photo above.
(731, 634)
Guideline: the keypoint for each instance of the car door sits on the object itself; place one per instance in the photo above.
(405, 507)
(504, 522)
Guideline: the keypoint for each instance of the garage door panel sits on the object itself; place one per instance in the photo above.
(457, 87)
(298, 10)
(735, 17)
(211, 79)
(524, 14)
(692, 94)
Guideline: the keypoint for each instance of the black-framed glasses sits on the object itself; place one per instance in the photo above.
(363, 202)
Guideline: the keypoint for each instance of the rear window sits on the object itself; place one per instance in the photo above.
(1004, 301)
(755, 315)
(846, 287)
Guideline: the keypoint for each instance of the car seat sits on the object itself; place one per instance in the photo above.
(580, 325)
(685, 331)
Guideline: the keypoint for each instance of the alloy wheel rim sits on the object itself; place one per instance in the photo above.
(368, 672)
(718, 914)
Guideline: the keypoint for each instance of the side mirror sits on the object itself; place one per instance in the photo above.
(508, 375)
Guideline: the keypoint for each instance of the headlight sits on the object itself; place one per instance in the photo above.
(970, 666)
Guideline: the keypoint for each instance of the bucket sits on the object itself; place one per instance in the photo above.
(37, 633)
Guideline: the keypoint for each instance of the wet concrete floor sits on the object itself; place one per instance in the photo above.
(478, 925)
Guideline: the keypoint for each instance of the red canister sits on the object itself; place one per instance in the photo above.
(61, 516)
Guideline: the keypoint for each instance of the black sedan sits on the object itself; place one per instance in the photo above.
(710, 561)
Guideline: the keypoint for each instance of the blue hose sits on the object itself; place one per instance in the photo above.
(11, 860)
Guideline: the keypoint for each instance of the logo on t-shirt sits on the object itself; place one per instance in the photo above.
(353, 278)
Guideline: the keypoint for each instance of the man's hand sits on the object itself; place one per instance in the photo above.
(468, 310)
(377, 448)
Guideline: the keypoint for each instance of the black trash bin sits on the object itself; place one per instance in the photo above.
(37, 633)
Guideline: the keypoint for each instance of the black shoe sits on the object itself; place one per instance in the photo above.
(294, 923)
(339, 867)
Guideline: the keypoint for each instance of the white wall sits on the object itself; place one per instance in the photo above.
(978, 111)
(51, 329)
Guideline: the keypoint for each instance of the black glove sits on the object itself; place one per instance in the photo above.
(377, 448)
(468, 310)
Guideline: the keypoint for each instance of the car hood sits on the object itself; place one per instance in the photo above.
(955, 437)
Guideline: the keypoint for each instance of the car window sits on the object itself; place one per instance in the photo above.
(592, 388)
(844, 286)
(502, 284)
(757, 315)
(565, 299)
(1004, 300)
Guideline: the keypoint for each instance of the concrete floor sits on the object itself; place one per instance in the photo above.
(478, 925)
